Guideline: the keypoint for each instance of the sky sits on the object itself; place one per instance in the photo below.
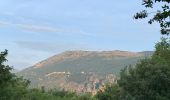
(33, 30)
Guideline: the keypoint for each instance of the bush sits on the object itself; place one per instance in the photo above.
(148, 80)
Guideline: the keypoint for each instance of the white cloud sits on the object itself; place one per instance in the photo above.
(34, 28)
(3, 23)
(37, 28)
(50, 47)
(30, 25)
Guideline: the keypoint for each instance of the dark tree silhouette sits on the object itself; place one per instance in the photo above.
(160, 15)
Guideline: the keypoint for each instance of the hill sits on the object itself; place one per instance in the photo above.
(81, 71)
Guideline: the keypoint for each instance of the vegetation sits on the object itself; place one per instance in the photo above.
(148, 80)
(161, 16)
(11, 86)
(95, 64)
(110, 92)
(15, 88)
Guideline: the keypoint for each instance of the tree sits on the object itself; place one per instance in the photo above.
(162, 53)
(11, 86)
(5, 74)
(111, 92)
(150, 78)
(162, 15)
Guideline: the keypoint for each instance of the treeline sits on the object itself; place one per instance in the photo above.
(148, 80)
(13, 87)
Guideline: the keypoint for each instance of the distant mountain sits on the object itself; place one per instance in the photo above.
(83, 69)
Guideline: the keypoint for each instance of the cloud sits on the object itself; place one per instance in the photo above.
(30, 27)
(10, 19)
(39, 46)
(35, 51)
(34, 28)
(3, 23)
(49, 47)
(16, 58)
(37, 28)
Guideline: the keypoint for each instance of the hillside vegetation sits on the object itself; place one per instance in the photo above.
(81, 69)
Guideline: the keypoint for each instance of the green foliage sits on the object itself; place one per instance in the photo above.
(5, 74)
(110, 92)
(85, 97)
(36, 94)
(147, 81)
(150, 78)
(16, 88)
(161, 15)
(59, 93)
(162, 53)
(11, 87)
(99, 65)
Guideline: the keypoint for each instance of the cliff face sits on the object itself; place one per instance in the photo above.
(81, 71)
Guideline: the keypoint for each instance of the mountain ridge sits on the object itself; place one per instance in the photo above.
(72, 69)
(80, 53)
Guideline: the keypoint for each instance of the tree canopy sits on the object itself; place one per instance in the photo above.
(161, 15)
(148, 80)
(13, 87)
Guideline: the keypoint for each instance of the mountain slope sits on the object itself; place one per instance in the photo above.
(75, 68)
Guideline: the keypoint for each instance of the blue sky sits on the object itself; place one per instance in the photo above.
(33, 30)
